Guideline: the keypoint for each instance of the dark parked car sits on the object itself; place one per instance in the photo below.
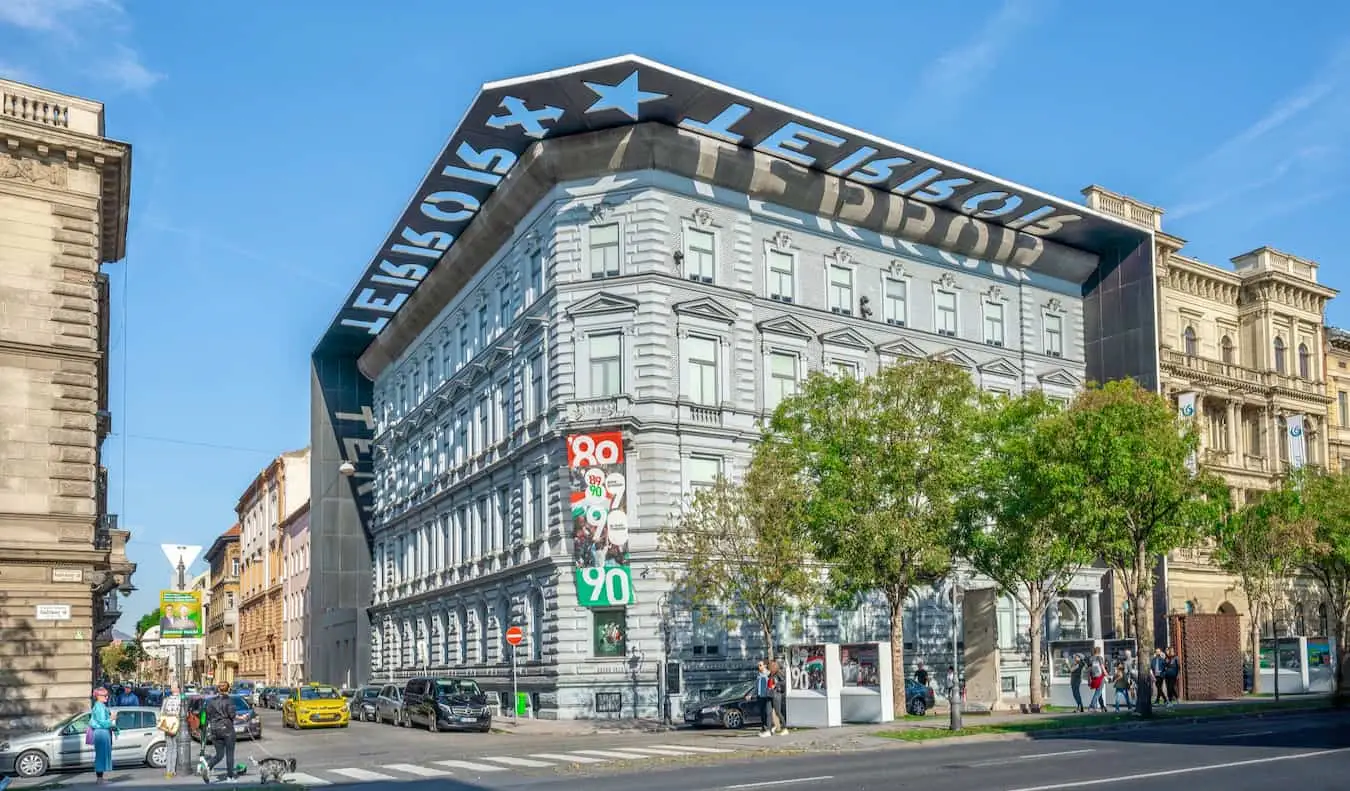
(362, 704)
(918, 698)
(247, 722)
(446, 704)
(276, 697)
(733, 707)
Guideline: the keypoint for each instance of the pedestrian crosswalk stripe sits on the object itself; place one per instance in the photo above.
(672, 751)
(362, 774)
(420, 771)
(509, 761)
(613, 754)
(576, 759)
(471, 766)
(302, 779)
(688, 748)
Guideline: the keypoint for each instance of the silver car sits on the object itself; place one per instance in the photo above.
(137, 742)
(389, 705)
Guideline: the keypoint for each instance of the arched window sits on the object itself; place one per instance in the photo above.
(1304, 361)
(1322, 620)
(536, 625)
(1279, 355)
(462, 636)
(1300, 625)
(504, 621)
(1226, 349)
(1189, 343)
(1070, 621)
(481, 624)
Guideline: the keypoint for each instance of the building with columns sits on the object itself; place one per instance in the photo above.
(276, 494)
(1337, 367)
(621, 247)
(1250, 346)
(222, 619)
(64, 202)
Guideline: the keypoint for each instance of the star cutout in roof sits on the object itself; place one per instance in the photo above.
(624, 97)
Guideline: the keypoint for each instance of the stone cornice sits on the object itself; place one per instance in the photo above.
(61, 352)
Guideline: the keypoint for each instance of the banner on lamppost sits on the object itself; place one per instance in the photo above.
(181, 620)
(1187, 406)
(595, 507)
(1296, 431)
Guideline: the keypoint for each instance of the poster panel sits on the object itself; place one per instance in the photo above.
(860, 665)
(806, 663)
(595, 507)
(181, 615)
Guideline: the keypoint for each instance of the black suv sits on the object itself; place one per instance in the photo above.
(446, 704)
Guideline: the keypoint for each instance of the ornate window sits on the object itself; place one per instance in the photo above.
(1190, 343)
(1304, 361)
(1279, 355)
(1226, 349)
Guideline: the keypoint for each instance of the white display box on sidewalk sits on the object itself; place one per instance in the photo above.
(814, 681)
(867, 691)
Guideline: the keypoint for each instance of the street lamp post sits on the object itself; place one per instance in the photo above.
(183, 748)
(956, 698)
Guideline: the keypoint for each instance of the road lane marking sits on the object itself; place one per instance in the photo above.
(420, 771)
(1187, 770)
(364, 775)
(1002, 761)
(300, 778)
(768, 783)
(613, 754)
(668, 751)
(471, 766)
(509, 761)
(1245, 734)
(575, 759)
(695, 749)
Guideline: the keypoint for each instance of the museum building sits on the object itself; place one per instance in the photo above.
(619, 269)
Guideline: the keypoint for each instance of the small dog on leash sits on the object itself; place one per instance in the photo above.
(274, 770)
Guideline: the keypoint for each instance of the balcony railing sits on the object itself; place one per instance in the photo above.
(103, 531)
(1239, 373)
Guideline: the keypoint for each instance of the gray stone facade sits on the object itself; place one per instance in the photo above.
(650, 303)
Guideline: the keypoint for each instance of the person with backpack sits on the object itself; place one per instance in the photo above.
(1097, 680)
(778, 687)
(764, 696)
(220, 714)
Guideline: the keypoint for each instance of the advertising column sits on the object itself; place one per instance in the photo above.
(595, 508)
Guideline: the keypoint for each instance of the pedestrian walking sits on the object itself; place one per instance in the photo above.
(1120, 680)
(1171, 674)
(778, 687)
(220, 715)
(1157, 667)
(949, 684)
(170, 719)
(1097, 680)
(1076, 681)
(764, 695)
(921, 673)
(99, 734)
(1131, 676)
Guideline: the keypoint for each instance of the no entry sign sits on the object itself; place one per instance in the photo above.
(515, 636)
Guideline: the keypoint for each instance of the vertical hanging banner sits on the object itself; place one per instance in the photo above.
(1186, 407)
(1296, 430)
(596, 508)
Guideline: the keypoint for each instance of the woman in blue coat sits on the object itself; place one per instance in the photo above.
(101, 728)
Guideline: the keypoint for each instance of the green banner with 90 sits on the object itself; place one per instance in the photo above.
(596, 510)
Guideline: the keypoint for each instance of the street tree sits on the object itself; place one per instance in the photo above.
(1326, 554)
(884, 463)
(1128, 456)
(1019, 526)
(1261, 544)
(741, 545)
(149, 620)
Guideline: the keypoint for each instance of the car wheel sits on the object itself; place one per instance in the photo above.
(732, 719)
(157, 756)
(31, 764)
(918, 708)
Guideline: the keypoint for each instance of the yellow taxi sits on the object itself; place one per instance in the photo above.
(314, 705)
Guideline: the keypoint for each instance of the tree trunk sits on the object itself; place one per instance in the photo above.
(766, 630)
(897, 606)
(1037, 601)
(1254, 642)
(1142, 613)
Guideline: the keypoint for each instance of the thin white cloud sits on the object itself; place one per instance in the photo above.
(954, 75)
(48, 16)
(125, 70)
(1301, 160)
(8, 71)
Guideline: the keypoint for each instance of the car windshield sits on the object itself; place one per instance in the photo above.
(241, 704)
(370, 692)
(735, 690)
(318, 693)
(458, 686)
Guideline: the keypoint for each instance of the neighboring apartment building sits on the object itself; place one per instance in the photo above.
(677, 306)
(1248, 345)
(64, 199)
(196, 661)
(295, 594)
(1338, 388)
(272, 497)
(222, 620)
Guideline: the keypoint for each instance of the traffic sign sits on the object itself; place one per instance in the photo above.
(515, 636)
(180, 554)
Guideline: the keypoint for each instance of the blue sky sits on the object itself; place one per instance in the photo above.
(275, 143)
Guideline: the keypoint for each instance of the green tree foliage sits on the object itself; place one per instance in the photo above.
(1127, 453)
(1260, 544)
(884, 463)
(148, 620)
(742, 545)
(1326, 553)
(1019, 527)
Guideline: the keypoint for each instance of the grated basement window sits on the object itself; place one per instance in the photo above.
(608, 702)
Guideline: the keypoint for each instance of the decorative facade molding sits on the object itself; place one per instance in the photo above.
(1054, 305)
(947, 282)
(31, 171)
(707, 308)
(896, 268)
(702, 217)
(842, 256)
(781, 240)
